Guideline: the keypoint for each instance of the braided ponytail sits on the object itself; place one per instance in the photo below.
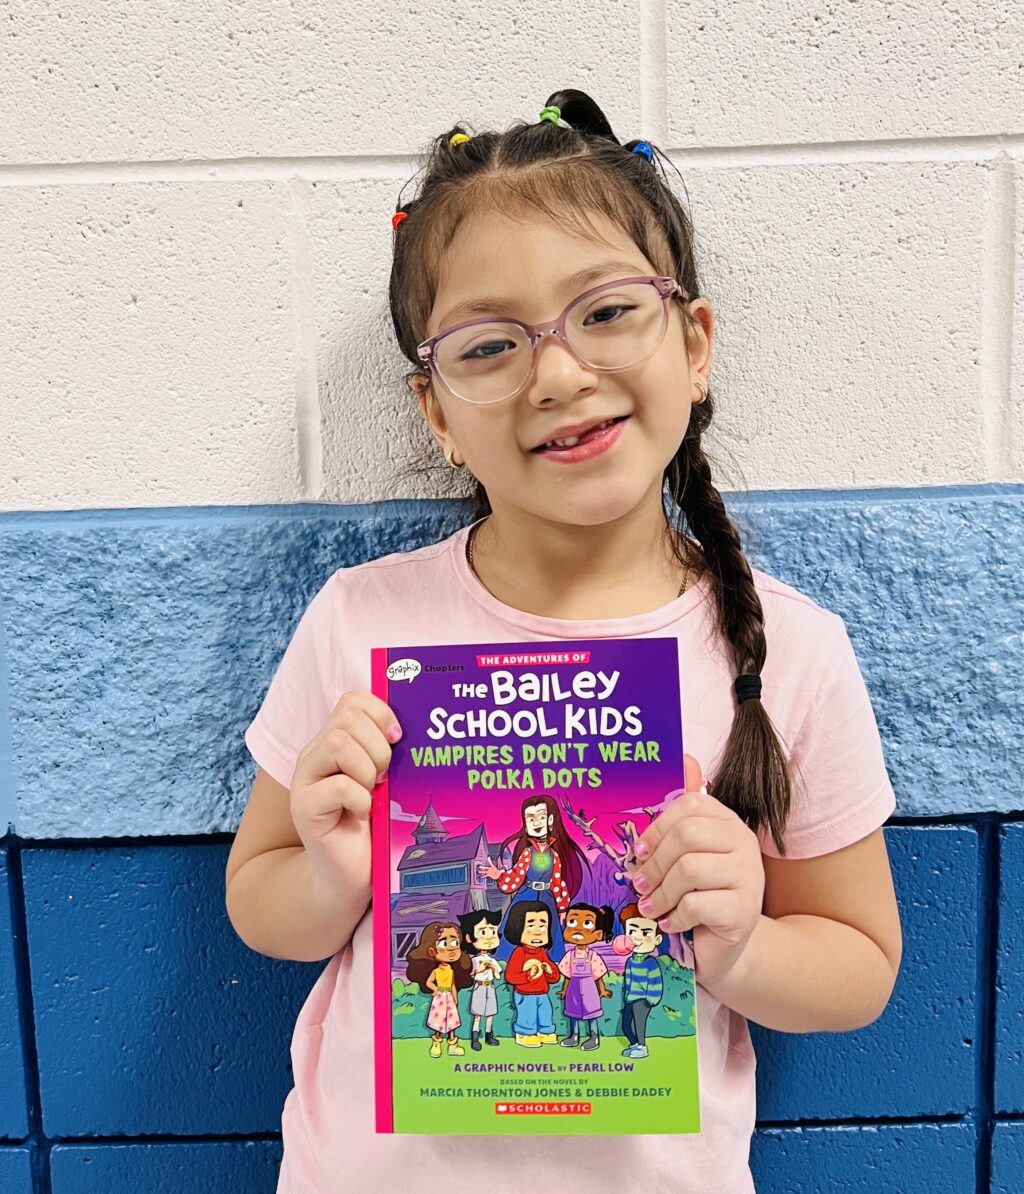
(568, 165)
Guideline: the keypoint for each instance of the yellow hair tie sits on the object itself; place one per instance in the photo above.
(458, 139)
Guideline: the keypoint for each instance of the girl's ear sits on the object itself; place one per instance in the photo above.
(430, 408)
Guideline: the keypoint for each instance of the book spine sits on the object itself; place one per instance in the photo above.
(380, 904)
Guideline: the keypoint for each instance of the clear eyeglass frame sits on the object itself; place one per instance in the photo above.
(666, 287)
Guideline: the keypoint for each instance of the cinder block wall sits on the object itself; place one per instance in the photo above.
(201, 416)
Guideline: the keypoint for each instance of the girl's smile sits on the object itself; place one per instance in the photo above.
(590, 444)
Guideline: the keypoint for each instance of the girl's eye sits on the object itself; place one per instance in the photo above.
(487, 356)
(605, 310)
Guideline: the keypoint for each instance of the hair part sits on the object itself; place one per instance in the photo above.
(568, 174)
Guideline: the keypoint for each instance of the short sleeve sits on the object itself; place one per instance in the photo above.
(302, 693)
(841, 790)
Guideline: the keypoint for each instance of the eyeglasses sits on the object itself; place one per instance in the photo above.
(608, 327)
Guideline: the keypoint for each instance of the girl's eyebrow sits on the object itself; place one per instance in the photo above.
(574, 282)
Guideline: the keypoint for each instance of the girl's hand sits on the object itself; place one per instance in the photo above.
(701, 869)
(330, 792)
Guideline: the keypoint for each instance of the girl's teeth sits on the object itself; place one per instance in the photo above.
(572, 440)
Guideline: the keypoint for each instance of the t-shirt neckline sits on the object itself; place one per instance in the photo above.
(568, 628)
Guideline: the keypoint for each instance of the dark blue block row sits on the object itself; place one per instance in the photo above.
(152, 1017)
(215, 1168)
(1010, 983)
(917, 1059)
(1008, 1159)
(13, 1115)
(879, 1159)
(130, 687)
(16, 1171)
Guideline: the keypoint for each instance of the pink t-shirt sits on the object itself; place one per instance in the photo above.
(814, 692)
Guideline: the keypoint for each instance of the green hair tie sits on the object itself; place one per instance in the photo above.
(552, 114)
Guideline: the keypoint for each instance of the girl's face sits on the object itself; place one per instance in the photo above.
(525, 263)
(447, 948)
(581, 927)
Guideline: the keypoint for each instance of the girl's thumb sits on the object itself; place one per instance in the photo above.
(694, 775)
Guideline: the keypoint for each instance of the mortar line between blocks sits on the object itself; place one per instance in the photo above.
(998, 263)
(989, 831)
(653, 73)
(308, 429)
(39, 1144)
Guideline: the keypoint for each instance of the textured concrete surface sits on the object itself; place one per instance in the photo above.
(1007, 1158)
(918, 1058)
(162, 373)
(305, 80)
(199, 1168)
(138, 647)
(13, 1113)
(869, 1159)
(151, 1016)
(16, 1171)
(1009, 993)
(788, 72)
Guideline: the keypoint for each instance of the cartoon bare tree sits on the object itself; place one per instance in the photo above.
(624, 855)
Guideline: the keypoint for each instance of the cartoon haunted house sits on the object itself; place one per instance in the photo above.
(439, 880)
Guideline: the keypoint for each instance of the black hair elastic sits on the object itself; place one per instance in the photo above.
(748, 687)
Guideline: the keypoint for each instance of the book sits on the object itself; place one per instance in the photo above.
(517, 987)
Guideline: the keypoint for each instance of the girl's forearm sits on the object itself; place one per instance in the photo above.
(279, 907)
(807, 974)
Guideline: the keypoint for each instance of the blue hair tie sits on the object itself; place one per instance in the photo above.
(645, 149)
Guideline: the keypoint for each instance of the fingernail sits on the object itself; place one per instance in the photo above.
(663, 925)
(645, 907)
(642, 850)
(394, 734)
(380, 778)
(641, 884)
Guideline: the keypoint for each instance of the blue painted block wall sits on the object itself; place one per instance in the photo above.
(144, 1048)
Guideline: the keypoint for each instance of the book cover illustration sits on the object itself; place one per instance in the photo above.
(517, 987)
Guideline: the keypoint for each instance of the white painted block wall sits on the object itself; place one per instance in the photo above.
(195, 232)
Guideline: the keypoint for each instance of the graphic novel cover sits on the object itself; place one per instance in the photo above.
(517, 987)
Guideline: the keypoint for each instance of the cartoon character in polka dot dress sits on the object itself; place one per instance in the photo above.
(547, 866)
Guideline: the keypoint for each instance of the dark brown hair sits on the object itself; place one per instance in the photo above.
(567, 173)
(421, 964)
(569, 853)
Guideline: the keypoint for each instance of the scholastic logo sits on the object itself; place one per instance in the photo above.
(542, 1108)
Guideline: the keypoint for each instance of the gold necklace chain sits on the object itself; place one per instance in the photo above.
(469, 556)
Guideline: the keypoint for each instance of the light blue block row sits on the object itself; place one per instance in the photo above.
(139, 644)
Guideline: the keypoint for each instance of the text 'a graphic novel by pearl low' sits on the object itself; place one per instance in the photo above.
(518, 988)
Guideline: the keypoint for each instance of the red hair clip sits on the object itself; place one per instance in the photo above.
(397, 218)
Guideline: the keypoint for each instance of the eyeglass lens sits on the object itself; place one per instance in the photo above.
(610, 330)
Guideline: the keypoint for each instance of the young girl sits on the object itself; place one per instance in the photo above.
(545, 287)
(442, 970)
(583, 969)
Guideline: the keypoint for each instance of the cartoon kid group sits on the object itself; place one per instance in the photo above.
(471, 950)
